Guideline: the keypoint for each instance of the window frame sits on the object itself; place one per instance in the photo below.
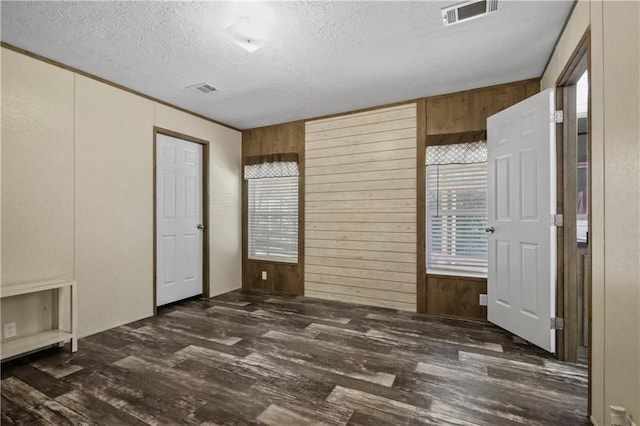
(256, 174)
(464, 270)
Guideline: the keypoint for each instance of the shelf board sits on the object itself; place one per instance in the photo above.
(25, 344)
(25, 288)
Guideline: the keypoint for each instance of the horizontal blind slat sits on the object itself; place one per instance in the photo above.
(273, 219)
(457, 216)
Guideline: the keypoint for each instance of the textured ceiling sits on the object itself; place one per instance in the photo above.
(321, 57)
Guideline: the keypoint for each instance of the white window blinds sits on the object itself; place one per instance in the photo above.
(457, 207)
(272, 212)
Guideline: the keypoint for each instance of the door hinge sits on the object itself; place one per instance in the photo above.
(558, 116)
(557, 323)
(557, 220)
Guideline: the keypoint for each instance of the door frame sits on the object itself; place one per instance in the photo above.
(205, 208)
(566, 339)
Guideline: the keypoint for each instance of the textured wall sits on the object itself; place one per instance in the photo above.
(37, 193)
(114, 206)
(37, 184)
(78, 194)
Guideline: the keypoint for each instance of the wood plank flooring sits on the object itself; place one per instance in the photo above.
(251, 358)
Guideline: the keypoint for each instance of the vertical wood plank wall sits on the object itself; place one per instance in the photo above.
(360, 193)
(281, 277)
(355, 163)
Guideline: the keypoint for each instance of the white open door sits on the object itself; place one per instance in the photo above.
(179, 213)
(521, 209)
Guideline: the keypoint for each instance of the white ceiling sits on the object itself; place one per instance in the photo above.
(321, 57)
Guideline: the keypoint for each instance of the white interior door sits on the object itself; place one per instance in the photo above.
(179, 230)
(521, 205)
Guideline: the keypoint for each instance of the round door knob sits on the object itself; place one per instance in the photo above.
(489, 229)
(200, 226)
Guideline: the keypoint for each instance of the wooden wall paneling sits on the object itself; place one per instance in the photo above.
(456, 296)
(531, 87)
(454, 138)
(281, 277)
(454, 118)
(278, 139)
(357, 182)
(361, 207)
(467, 111)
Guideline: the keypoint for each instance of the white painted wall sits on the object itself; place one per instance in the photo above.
(77, 194)
(114, 206)
(37, 202)
(615, 169)
(37, 129)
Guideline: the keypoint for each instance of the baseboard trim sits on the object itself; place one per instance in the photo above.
(593, 421)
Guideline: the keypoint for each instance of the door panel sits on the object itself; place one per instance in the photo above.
(529, 278)
(167, 261)
(179, 212)
(503, 263)
(529, 185)
(502, 194)
(522, 246)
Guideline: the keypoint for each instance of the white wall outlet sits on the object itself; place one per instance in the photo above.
(9, 330)
(264, 275)
(484, 300)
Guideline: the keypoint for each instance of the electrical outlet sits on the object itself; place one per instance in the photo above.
(264, 275)
(483, 300)
(9, 330)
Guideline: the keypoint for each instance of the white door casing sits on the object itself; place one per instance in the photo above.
(521, 204)
(179, 219)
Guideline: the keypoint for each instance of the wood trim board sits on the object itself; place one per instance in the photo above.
(579, 61)
(421, 196)
(205, 208)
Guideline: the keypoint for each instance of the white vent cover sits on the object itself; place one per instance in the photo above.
(202, 88)
(468, 10)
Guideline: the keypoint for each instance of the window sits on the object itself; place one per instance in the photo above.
(273, 211)
(457, 208)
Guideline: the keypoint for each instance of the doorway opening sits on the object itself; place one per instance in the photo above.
(180, 217)
(573, 97)
(583, 210)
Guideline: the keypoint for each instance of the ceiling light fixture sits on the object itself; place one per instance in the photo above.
(244, 34)
(250, 25)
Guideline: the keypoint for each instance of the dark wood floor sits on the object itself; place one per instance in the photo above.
(255, 358)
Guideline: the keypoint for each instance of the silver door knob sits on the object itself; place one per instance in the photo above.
(489, 229)
(200, 226)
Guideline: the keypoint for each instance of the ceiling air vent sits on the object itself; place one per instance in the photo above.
(202, 88)
(468, 10)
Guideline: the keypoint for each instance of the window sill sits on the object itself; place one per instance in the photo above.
(451, 273)
(263, 260)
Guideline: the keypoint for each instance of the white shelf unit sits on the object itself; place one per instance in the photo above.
(20, 345)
